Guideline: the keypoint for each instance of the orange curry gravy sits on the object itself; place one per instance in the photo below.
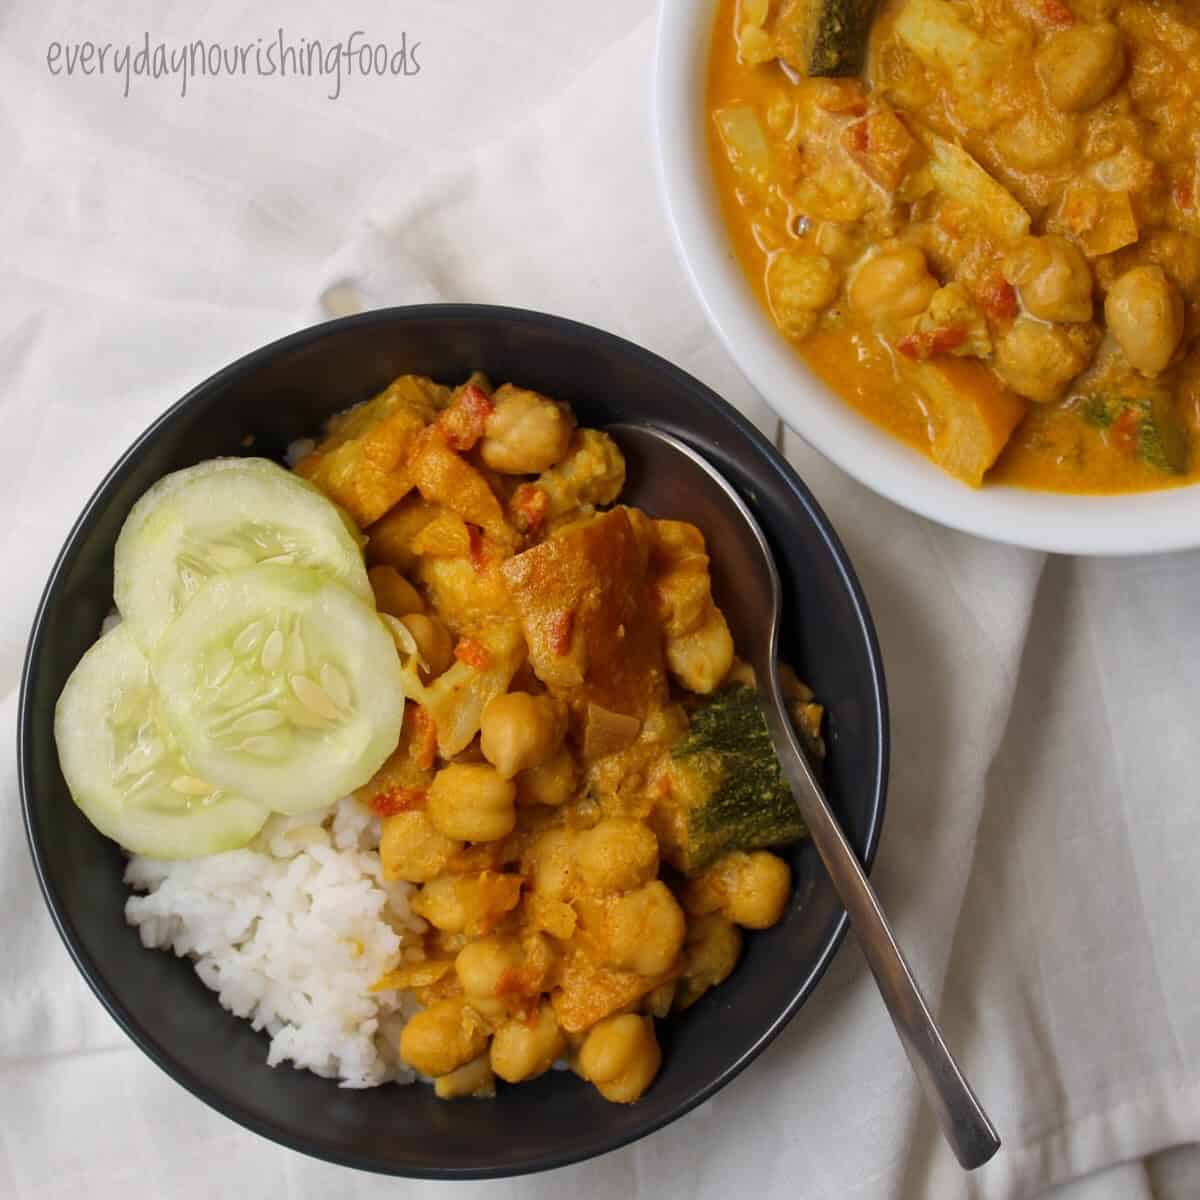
(990, 244)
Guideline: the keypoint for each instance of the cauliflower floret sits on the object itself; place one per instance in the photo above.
(593, 473)
(362, 463)
(952, 307)
(800, 287)
(1038, 360)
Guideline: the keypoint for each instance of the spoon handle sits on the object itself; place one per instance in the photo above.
(964, 1124)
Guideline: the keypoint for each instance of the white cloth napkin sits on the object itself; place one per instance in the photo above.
(1040, 853)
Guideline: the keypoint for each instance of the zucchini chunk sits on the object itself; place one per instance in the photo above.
(823, 37)
(727, 790)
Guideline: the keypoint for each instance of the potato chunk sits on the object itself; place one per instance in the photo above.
(446, 478)
(390, 539)
(583, 596)
(362, 463)
(588, 992)
(974, 414)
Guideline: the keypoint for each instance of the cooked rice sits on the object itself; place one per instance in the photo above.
(291, 932)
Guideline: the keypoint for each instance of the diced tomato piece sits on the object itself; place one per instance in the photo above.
(1057, 13)
(559, 626)
(941, 341)
(928, 345)
(423, 747)
(1125, 430)
(474, 654)
(462, 424)
(397, 800)
(530, 506)
(1000, 299)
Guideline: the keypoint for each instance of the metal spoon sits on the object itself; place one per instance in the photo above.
(666, 477)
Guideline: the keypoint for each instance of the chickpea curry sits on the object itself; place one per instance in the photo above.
(584, 787)
(978, 221)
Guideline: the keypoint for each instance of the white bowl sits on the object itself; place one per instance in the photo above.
(1140, 523)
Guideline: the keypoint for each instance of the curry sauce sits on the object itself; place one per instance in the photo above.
(989, 242)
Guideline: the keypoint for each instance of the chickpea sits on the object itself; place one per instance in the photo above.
(618, 854)
(1053, 278)
(1145, 313)
(893, 285)
(526, 432)
(700, 660)
(758, 891)
(481, 965)
(473, 1079)
(643, 930)
(441, 904)
(620, 1055)
(519, 731)
(393, 593)
(1038, 361)
(443, 1037)
(410, 848)
(711, 950)
(749, 889)
(551, 782)
(469, 904)
(472, 802)
(434, 643)
(1080, 65)
(527, 1049)
(550, 860)
(389, 539)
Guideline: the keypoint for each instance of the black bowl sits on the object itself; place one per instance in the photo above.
(284, 391)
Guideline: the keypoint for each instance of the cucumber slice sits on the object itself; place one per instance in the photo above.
(222, 515)
(124, 768)
(283, 685)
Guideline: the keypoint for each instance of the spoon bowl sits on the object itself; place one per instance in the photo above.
(664, 475)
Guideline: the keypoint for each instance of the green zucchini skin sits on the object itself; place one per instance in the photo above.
(726, 772)
(830, 36)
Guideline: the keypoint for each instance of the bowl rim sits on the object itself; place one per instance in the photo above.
(1132, 523)
(228, 1104)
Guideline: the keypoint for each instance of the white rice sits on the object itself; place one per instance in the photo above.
(291, 932)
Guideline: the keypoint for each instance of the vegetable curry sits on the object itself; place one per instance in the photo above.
(584, 787)
(978, 221)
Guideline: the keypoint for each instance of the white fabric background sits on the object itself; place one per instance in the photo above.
(1040, 852)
